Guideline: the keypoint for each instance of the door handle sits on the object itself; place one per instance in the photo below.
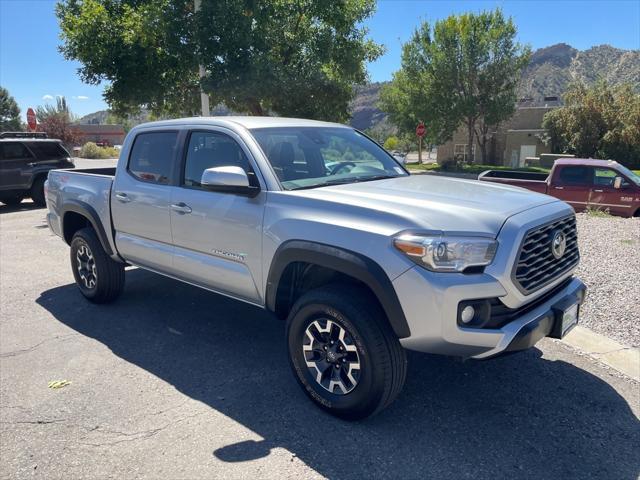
(559, 188)
(122, 197)
(181, 208)
(599, 191)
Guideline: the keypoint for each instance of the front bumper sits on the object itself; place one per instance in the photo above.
(432, 314)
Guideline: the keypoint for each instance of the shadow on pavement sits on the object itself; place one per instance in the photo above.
(521, 415)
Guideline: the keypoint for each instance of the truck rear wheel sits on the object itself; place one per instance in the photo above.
(344, 353)
(99, 278)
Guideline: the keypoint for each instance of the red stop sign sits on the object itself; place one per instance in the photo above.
(421, 130)
(31, 118)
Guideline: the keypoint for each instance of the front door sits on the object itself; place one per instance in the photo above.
(140, 201)
(604, 196)
(217, 235)
(572, 183)
(526, 151)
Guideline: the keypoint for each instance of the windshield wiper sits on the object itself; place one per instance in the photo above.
(345, 181)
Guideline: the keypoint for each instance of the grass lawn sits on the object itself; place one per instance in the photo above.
(474, 169)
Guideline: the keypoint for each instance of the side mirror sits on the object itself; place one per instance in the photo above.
(229, 179)
(617, 183)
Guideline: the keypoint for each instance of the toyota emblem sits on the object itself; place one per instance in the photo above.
(558, 244)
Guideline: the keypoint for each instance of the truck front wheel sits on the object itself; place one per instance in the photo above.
(99, 278)
(343, 351)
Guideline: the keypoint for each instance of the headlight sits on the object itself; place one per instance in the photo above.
(447, 254)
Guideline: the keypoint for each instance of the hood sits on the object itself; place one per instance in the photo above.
(432, 202)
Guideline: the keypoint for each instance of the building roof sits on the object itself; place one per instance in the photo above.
(592, 162)
(245, 121)
(99, 128)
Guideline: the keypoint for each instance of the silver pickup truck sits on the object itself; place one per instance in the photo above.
(318, 224)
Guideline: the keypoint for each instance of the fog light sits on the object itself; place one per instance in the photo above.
(467, 314)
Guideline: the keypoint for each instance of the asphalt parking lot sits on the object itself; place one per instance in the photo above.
(175, 382)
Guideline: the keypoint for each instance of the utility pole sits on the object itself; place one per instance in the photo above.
(204, 98)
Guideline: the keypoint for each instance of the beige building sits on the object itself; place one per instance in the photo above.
(512, 142)
(103, 134)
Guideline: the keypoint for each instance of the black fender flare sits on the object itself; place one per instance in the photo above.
(90, 214)
(344, 261)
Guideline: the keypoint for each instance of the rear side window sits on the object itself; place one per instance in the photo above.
(576, 175)
(48, 150)
(152, 155)
(14, 151)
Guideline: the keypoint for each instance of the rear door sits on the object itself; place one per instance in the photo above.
(15, 166)
(140, 200)
(572, 183)
(217, 235)
(604, 196)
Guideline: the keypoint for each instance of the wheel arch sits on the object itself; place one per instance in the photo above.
(76, 215)
(329, 262)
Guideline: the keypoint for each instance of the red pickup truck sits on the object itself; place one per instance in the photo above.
(582, 183)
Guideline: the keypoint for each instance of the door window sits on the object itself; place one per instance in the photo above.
(210, 150)
(48, 150)
(604, 177)
(14, 151)
(576, 175)
(152, 155)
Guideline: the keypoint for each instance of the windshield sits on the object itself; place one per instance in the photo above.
(634, 177)
(309, 157)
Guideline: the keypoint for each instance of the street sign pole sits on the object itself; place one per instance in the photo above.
(204, 98)
(419, 150)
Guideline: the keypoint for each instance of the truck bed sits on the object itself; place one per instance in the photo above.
(533, 181)
(83, 188)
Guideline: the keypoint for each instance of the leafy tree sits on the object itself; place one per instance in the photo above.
(56, 120)
(599, 121)
(291, 57)
(464, 70)
(9, 112)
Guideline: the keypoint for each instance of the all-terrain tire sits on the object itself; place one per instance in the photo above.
(350, 312)
(99, 278)
(37, 192)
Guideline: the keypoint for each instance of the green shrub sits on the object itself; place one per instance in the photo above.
(392, 143)
(91, 150)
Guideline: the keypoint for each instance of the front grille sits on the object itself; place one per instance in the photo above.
(536, 265)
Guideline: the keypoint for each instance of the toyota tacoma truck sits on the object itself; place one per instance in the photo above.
(583, 183)
(318, 224)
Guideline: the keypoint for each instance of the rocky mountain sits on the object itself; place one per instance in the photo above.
(548, 74)
(552, 68)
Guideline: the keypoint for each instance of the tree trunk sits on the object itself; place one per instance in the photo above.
(483, 149)
(256, 109)
(470, 127)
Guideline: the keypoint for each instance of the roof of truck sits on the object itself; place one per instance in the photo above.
(592, 162)
(247, 122)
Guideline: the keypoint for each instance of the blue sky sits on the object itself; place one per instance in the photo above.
(33, 70)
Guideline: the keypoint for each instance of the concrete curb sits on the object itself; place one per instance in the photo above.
(625, 360)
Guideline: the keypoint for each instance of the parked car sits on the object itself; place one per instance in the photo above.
(319, 225)
(400, 156)
(582, 183)
(25, 161)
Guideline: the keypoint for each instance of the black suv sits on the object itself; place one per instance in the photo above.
(25, 161)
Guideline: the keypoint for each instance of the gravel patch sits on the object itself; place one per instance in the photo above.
(610, 266)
